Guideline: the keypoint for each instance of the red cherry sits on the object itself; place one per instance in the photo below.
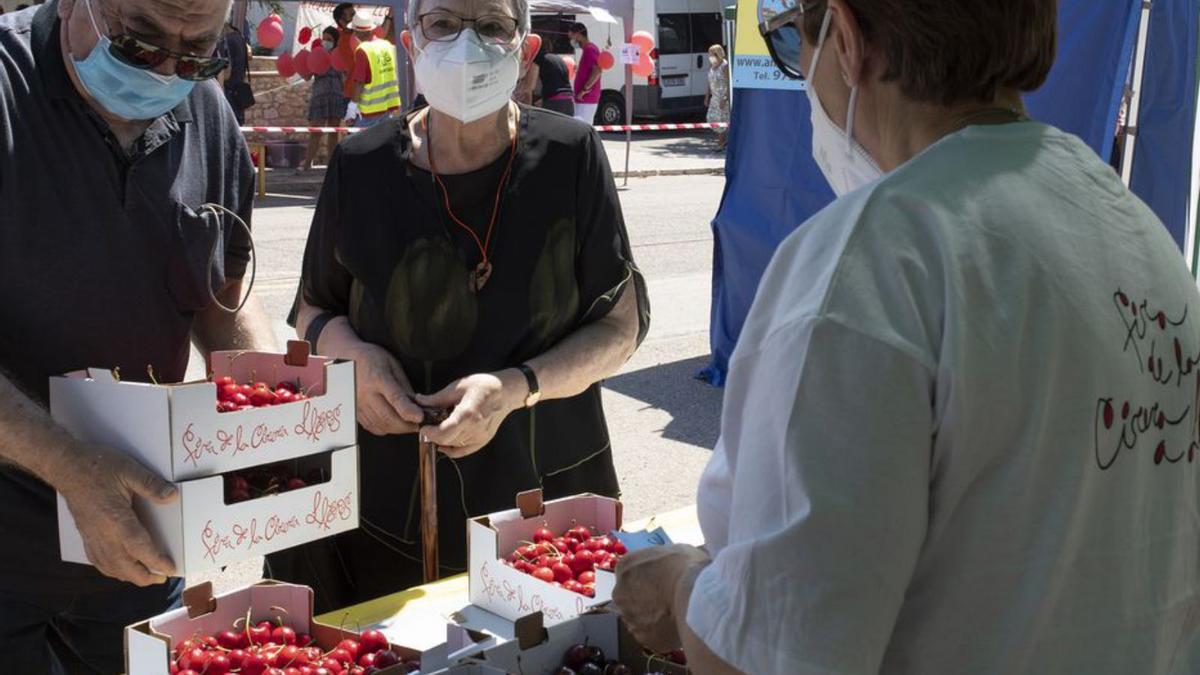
(289, 386)
(236, 657)
(245, 390)
(587, 578)
(262, 398)
(224, 380)
(564, 545)
(260, 634)
(544, 573)
(563, 573)
(584, 560)
(580, 533)
(304, 639)
(367, 660)
(351, 646)
(288, 655)
(332, 665)
(219, 664)
(292, 670)
(618, 547)
(283, 635)
(261, 385)
(240, 399)
(386, 659)
(273, 671)
(227, 406)
(677, 656)
(296, 484)
(372, 641)
(543, 534)
(342, 655)
(188, 671)
(195, 659)
(284, 396)
(229, 639)
(254, 664)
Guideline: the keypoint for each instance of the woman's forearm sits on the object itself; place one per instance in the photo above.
(337, 339)
(701, 659)
(591, 353)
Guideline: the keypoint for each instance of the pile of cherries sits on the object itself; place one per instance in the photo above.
(268, 648)
(568, 561)
(233, 396)
(261, 481)
(585, 659)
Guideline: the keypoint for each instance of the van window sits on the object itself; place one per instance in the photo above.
(707, 30)
(553, 29)
(674, 34)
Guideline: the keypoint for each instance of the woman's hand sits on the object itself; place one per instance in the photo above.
(385, 397)
(478, 405)
(647, 582)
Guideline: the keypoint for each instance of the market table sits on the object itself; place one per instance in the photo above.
(417, 617)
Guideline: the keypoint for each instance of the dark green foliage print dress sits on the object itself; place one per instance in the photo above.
(384, 252)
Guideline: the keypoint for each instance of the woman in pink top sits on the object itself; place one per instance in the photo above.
(587, 75)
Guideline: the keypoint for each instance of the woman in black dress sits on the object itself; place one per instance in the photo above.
(463, 256)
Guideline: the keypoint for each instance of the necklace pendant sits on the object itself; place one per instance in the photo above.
(479, 277)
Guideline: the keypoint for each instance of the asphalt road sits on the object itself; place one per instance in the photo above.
(663, 422)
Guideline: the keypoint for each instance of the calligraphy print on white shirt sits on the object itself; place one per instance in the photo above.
(1126, 429)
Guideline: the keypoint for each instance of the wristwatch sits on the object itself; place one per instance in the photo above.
(535, 392)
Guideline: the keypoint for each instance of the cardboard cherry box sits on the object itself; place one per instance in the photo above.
(149, 644)
(511, 594)
(176, 431)
(201, 531)
(540, 649)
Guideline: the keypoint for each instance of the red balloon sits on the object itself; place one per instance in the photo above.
(301, 62)
(607, 60)
(644, 67)
(319, 61)
(285, 65)
(570, 61)
(340, 62)
(643, 35)
(270, 34)
(305, 35)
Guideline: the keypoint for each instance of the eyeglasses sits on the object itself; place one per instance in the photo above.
(145, 56)
(446, 27)
(777, 21)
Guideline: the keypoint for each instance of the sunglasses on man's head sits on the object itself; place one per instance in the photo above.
(778, 22)
(145, 56)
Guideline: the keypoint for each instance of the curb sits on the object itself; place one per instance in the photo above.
(313, 187)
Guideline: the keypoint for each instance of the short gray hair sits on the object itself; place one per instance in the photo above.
(520, 10)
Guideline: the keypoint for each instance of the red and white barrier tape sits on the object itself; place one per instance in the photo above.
(660, 127)
(608, 128)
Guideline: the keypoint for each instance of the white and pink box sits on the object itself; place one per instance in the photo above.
(148, 644)
(511, 594)
(176, 431)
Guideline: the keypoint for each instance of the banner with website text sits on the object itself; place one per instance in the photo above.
(752, 64)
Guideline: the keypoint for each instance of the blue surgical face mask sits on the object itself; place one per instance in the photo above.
(125, 91)
(328, 45)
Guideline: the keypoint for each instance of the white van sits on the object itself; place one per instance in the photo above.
(683, 30)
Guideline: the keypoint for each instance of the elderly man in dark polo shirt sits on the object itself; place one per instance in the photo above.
(106, 157)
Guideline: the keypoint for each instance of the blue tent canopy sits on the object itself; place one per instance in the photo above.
(772, 184)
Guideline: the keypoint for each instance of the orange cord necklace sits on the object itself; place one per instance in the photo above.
(483, 271)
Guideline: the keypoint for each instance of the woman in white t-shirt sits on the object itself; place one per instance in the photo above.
(961, 423)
